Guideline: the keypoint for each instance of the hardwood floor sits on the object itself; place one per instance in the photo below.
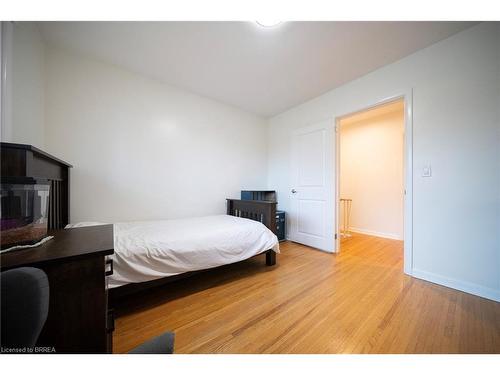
(358, 301)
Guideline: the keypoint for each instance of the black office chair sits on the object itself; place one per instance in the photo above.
(25, 306)
(163, 344)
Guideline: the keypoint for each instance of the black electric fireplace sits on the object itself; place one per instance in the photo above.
(35, 194)
(23, 211)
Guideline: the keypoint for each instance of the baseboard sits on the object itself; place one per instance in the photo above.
(376, 234)
(463, 286)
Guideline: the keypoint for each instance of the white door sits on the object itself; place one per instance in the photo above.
(312, 191)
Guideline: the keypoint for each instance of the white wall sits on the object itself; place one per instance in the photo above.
(22, 121)
(145, 150)
(371, 172)
(456, 120)
(6, 84)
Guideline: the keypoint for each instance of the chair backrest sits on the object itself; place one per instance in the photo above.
(25, 305)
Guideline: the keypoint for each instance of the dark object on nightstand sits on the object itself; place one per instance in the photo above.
(280, 225)
(25, 305)
(258, 195)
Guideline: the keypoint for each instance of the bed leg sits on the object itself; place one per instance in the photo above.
(270, 258)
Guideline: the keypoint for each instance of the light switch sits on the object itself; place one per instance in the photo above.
(426, 171)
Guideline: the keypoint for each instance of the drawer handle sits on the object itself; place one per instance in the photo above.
(109, 272)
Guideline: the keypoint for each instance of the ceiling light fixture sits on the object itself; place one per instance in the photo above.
(268, 23)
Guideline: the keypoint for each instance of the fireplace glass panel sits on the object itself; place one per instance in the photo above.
(23, 213)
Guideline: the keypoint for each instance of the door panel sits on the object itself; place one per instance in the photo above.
(311, 193)
(309, 211)
(311, 158)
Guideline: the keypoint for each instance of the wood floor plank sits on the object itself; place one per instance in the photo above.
(357, 301)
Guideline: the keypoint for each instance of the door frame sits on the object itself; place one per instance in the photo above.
(407, 97)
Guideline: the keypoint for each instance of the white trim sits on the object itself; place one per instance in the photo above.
(408, 184)
(407, 96)
(390, 236)
(336, 201)
(463, 286)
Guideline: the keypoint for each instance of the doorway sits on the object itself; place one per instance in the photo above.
(373, 179)
(371, 172)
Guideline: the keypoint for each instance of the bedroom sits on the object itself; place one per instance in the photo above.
(158, 164)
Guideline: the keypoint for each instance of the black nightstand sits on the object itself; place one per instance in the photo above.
(280, 225)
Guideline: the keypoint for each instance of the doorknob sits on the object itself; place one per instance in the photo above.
(294, 191)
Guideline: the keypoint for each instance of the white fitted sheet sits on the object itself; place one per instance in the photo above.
(149, 250)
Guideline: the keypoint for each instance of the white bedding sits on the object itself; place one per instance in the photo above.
(149, 250)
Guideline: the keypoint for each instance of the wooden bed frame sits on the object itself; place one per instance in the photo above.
(262, 211)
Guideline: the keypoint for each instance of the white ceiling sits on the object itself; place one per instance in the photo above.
(264, 71)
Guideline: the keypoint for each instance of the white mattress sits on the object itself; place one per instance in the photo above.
(149, 250)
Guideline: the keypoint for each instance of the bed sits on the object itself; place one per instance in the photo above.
(152, 253)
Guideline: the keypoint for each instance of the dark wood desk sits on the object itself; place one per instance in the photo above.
(75, 263)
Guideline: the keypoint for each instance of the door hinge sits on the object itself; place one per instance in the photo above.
(335, 235)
